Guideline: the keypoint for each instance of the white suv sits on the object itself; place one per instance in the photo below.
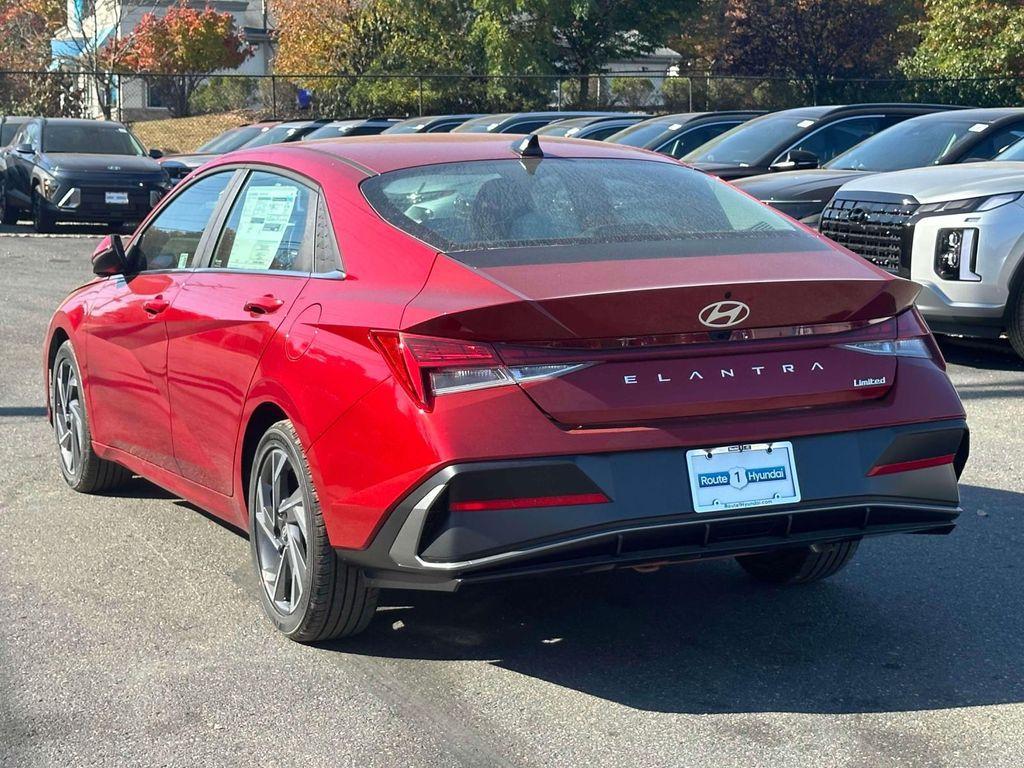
(956, 230)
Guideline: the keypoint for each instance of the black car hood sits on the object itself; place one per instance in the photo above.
(82, 164)
(820, 183)
(729, 171)
(189, 161)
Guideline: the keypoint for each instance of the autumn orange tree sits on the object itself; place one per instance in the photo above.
(176, 52)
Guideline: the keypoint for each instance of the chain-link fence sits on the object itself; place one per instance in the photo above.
(180, 112)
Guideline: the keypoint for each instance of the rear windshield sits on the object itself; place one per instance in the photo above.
(501, 204)
(92, 139)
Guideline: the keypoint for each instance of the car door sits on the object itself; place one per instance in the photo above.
(226, 314)
(126, 331)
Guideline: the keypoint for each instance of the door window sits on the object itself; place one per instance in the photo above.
(172, 238)
(32, 135)
(992, 145)
(267, 227)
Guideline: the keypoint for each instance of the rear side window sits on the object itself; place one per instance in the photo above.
(267, 226)
(838, 137)
(511, 204)
(172, 238)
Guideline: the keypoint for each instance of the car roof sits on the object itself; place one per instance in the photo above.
(81, 121)
(503, 117)
(390, 152)
(981, 114)
(582, 122)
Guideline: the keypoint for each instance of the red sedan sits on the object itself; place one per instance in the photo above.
(423, 361)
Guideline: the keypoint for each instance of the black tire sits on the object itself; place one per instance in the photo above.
(88, 473)
(335, 600)
(1015, 320)
(42, 220)
(8, 213)
(799, 566)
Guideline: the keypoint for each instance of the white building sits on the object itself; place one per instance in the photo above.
(92, 24)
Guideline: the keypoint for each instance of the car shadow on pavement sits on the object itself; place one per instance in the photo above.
(915, 622)
(985, 354)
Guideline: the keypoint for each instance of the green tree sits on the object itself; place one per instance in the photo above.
(971, 39)
(815, 41)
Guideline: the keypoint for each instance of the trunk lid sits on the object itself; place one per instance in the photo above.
(666, 335)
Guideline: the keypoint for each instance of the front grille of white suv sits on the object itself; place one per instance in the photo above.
(878, 231)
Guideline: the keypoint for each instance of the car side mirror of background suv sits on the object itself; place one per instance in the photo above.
(796, 160)
(110, 257)
(24, 149)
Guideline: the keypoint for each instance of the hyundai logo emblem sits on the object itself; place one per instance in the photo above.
(858, 216)
(723, 314)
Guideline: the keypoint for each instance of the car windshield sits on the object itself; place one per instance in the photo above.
(230, 140)
(86, 138)
(7, 131)
(412, 125)
(642, 134)
(331, 131)
(1012, 152)
(275, 135)
(482, 124)
(501, 204)
(751, 142)
(913, 143)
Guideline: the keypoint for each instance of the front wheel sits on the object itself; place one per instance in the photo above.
(81, 467)
(308, 592)
(42, 219)
(1015, 326)
(799, 566)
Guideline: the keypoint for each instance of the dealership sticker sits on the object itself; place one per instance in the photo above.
(978, 127)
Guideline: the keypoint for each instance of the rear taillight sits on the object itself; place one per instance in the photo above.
(429, 367)
(913, 339)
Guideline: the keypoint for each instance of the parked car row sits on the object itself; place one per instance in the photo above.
(954, 230)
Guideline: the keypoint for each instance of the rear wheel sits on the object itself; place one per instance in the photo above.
(1015, 326)
(308, 592)
(81, 467)
(799, 566)
(42, 219)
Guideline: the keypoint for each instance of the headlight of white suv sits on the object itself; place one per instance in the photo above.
(970, 204)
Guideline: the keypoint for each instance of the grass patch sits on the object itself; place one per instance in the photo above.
(184, 134)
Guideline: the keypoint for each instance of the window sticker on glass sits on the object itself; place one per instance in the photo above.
(805, 124)
(182, 260)
(675, 126)
(978, 127)
(266, 215)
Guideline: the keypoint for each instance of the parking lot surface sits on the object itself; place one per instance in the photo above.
(131, 633)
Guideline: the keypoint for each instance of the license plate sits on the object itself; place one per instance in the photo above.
(742, 476)
(117, 198)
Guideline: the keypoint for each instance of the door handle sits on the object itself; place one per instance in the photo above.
(155, 305)
(263, 305)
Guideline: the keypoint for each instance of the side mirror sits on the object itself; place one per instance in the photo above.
(156, 154)
(796, 160)
(110, 258)
(24, 149)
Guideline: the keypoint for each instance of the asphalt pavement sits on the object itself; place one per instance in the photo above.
(131, 633)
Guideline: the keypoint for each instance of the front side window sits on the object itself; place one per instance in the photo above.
(172, 238)
(502, 204)
(32, 135)
(96, 139)
(266, 229)
(996, 142)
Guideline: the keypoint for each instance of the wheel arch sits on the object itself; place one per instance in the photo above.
(58, 335)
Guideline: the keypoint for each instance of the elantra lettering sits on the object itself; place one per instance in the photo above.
(730, 373)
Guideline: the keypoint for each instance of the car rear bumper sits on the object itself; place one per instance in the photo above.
(649, 517)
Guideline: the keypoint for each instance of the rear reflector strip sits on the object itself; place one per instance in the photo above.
(910, 466)
(564, 500)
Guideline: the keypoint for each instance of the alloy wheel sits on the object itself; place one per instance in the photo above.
(67, 416)
(282, 530)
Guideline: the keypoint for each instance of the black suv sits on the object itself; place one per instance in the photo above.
(795, 139)
(63, 169)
